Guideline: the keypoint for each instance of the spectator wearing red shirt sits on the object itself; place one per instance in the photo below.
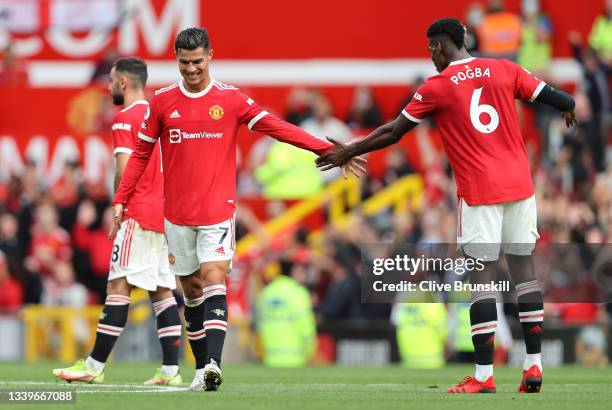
(50, 243)
(576, 313)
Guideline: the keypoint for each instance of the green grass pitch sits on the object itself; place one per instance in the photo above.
(257, 387)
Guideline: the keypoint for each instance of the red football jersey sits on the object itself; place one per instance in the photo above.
(472, 103)
(146, 204)
(198, 141)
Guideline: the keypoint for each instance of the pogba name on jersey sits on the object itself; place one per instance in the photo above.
(470, 73)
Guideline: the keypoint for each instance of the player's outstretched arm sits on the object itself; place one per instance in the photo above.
(291, 134)
(561, 101)
(134, 169)
(381, 137)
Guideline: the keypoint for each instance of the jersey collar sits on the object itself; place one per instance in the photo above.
(465, 60)
(198, 94)
(134, 103)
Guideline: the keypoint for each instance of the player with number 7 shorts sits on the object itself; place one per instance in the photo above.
(140, 253)
(196, 122)
(472, 101)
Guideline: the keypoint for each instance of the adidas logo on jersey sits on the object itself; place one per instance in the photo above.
(220, 250)
(175, 114)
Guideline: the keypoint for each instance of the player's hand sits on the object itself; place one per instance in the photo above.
(116, 222)
(355, 166)
(570, 118)
(338, 156)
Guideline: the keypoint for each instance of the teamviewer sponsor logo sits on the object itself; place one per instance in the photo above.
(202, 135)
(175, 136)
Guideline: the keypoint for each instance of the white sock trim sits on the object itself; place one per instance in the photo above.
(532, 316)
(196, 335)
(527, 287)
(169, 370)
(483, 372)
(94, 365)
(483, 295)
(531, 359)
(117, 300)
(159, 307)
(484, 327)
(109, 330)
(169, 331)
(214, 290)
(194, 302)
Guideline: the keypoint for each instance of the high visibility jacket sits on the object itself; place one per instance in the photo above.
(463, 330)
(289, 173)
(421, 334)
(601, 36)
(533, 55)
(286, 323)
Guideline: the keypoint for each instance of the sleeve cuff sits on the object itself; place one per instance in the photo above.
(410, 117)
(537, 91)
(255, 119)
(122, 150)
(148, 139)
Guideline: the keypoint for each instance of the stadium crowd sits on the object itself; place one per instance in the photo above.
(53, 238)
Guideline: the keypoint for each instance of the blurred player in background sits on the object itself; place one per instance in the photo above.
(140, 253)
(196, 121)
(472, 101)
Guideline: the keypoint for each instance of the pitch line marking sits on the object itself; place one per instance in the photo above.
(102, 388)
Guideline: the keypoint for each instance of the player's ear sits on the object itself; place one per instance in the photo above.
(210, 53)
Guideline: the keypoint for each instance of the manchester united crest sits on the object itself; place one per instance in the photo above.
(171, 259)
(216, 112)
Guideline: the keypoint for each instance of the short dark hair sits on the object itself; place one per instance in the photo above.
(134, 66)
(449, 27)
(192, 38)
(286, 267)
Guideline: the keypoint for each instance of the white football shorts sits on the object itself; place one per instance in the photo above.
(141, 256)
(191, 246)
(482, 230)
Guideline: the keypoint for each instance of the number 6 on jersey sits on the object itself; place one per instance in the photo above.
(476, 110)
